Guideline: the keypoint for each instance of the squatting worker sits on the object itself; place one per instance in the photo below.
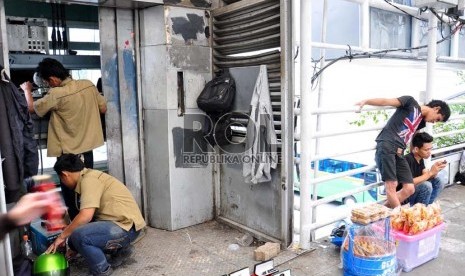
(75, 107)
(108, 221)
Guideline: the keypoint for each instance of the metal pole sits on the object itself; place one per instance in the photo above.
(287, 107)
(454, 46)
(296, 46)
(306, 116)
(431, 60)
(321, 88)
(430, 67)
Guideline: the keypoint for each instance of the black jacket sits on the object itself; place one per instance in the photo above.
(17, 145)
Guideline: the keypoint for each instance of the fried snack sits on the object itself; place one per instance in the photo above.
(418, 227)
(369, 213)
(397, 223)
(436, 208)
(359, 220)
(366, 246)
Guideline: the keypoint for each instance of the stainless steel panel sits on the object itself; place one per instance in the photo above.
(240, 28)
(245, 82)
(128, 102)
(167, 182)
(186, 26)
(152, 22)
(154, 64)
(161, 65)
(254, 206)
(110, 83)
(157, 169)
(174, 25)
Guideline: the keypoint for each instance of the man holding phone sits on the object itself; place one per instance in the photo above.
(427, 183)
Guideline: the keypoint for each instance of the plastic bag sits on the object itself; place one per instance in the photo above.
(416, 219)
(369, 250)
(462, 163)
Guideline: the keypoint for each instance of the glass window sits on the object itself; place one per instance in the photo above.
(443, 48)
(403, 2)
(88, 53)
(78, 35)
(87, 74)
(343, 26)
(84, 35)
(389, 30)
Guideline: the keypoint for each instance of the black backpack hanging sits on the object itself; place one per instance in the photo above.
(217, 96)
(216, 99)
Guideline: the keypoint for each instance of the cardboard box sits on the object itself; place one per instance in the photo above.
(415, 250)
(41, 238)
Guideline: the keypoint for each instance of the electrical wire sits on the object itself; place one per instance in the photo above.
(396, 7)
(350, 56)
(441, 19)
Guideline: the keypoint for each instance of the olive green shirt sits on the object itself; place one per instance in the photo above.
(74, 125)
(110, 198)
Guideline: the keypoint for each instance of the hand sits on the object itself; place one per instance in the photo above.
(440, 165)
(32, 206)
(59, 242)
(360, 106)
(26, 86)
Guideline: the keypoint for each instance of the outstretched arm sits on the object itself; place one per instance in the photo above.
(379, 102)
(28, 208)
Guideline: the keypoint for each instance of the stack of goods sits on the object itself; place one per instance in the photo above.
(369, 249)
(369, 214)
(416, 219)
(417, 231)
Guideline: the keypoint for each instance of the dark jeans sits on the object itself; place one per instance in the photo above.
(427, 191)
(71, 198)
(94, 239)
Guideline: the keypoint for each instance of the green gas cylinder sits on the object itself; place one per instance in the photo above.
(51, 265)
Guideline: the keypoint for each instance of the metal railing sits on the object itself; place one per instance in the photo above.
(309, 184)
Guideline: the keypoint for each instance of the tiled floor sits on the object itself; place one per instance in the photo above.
(203, 250)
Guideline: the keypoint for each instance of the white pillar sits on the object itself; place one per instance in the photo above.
(365, 34)
(431, 60)
(430, 67)
(306, 137)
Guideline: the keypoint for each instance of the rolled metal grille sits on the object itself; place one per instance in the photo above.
(247, 33)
